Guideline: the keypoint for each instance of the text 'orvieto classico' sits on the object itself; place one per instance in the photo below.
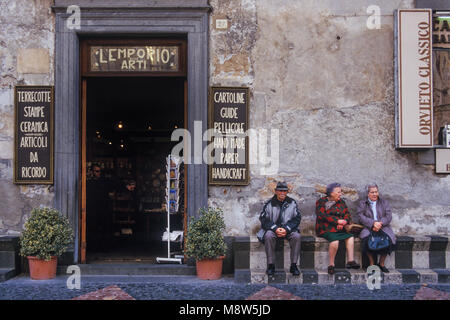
(425, 94)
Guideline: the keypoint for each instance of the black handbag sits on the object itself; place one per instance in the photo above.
(378, 241)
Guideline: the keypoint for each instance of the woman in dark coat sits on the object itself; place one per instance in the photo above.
(375, 214)
(332, 215)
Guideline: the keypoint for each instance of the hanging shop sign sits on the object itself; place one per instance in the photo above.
(33, 135)
(441, 31)
(443, 161)
(134, 58)
(228, 147)
(414, 79)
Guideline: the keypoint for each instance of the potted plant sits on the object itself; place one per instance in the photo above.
(205, 243)
(46, 236)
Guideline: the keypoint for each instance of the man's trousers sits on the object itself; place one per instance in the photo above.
(270, 239)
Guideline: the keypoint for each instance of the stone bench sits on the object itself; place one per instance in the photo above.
(9, 257)
(416, 259)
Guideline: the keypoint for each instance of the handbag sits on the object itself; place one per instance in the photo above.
(378, 241)
(353, 228)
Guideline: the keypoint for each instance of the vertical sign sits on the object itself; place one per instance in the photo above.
(228, 125)
(33, 135)
(414, 96)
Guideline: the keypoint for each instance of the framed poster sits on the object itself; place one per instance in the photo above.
(33, 134)
(228, 124)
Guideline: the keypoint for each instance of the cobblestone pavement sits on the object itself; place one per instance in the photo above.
(191, 288)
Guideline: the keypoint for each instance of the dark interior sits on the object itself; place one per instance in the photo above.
(129, 124)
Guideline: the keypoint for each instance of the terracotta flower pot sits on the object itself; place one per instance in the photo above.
(41, 269)
(210, 269)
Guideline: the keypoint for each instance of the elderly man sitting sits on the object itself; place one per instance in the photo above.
(280, 218)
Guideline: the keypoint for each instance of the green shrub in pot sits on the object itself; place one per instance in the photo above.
(46, 233)
(204, 238)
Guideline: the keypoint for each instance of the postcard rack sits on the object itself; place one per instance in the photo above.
(172, 204)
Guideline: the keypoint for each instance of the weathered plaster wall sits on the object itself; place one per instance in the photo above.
(316, 73)
(26, 58)
(320, 76)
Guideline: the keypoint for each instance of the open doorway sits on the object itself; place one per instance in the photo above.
(129, 121)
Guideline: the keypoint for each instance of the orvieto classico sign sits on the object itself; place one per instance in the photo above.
(414, 99)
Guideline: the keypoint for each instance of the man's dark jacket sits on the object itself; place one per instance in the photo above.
(276, 214)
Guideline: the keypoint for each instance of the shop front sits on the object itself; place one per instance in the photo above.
(125, 80)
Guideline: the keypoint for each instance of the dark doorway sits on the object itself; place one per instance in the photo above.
(129, 122)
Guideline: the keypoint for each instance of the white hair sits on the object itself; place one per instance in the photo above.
(370, 186)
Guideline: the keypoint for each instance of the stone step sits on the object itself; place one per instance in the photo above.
(132, 269)
(351, 276)
(9, 243)
(8, 259)
(7, 273)
(9, 253)
(415, 252)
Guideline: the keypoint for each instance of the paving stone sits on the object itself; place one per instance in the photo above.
(191, 288)
(109, 293)
(425, 293)
(271, 293)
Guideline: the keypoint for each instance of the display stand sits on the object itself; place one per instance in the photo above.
(172, 203)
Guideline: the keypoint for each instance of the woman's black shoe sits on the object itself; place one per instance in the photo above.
(330, 269)
(270, 270)
(383, 268)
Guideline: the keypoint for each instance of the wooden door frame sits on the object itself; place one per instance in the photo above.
(82, 206)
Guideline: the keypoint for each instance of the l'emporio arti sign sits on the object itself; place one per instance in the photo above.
(134, 58)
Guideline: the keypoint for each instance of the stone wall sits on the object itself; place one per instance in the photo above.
(320, 76)
(26, 57)
(316, 73)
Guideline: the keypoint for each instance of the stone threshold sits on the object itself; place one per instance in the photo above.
(351, 276)
(126, 269)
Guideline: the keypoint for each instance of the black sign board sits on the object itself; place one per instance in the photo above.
(33, 135)
(228, 123)
(134, 58)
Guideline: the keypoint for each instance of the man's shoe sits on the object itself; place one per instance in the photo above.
(294, 270)
(270, 270)
(352, 264)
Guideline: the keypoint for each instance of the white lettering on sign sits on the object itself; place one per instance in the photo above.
(34, 96)
(34, 126)
(33, 112)
(34, 172)
(229, 113)
(139, 58)
(229, 97)
(229, 173)
(33, 142)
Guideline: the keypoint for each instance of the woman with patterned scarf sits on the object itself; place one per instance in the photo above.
(332, 215)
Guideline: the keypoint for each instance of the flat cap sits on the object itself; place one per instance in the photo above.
(282, 186)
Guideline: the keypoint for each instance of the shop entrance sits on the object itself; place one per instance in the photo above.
(134, 95)
(129, 122)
